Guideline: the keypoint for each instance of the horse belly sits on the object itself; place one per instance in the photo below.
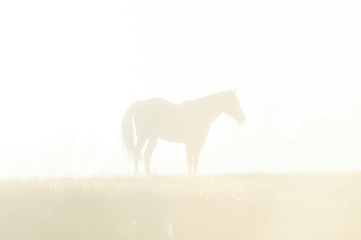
(173, 138)
(175, 131)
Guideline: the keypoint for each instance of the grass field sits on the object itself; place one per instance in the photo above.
(246, 206)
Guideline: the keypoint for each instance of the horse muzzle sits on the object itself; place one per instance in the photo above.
(240, 121)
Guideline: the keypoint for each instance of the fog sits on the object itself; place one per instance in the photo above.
(69, 71)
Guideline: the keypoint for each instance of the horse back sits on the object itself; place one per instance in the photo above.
(150, 114)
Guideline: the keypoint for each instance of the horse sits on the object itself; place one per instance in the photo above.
(188, 123)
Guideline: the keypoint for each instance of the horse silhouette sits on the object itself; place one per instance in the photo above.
(187, 123)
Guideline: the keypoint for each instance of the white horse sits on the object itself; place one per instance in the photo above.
(187, 123)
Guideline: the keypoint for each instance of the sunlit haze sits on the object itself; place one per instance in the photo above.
(70, 69)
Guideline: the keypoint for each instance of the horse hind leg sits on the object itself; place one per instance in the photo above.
(152, 143)
(189, 159)
(137, 152)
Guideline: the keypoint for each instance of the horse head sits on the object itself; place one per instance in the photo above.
(232, 107)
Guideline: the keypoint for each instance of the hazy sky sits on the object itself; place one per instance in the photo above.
(70, 69)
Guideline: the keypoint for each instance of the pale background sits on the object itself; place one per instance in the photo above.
(70, 69)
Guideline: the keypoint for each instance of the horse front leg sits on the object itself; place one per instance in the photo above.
(193, 151)
(195, 162)
(190, 164)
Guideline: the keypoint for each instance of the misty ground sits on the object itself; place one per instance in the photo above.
(245, 206)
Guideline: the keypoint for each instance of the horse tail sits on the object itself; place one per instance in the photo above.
(127, 130)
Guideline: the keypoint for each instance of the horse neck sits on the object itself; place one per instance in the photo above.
(211, 107)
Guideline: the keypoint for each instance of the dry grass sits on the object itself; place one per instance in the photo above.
(247, 206)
